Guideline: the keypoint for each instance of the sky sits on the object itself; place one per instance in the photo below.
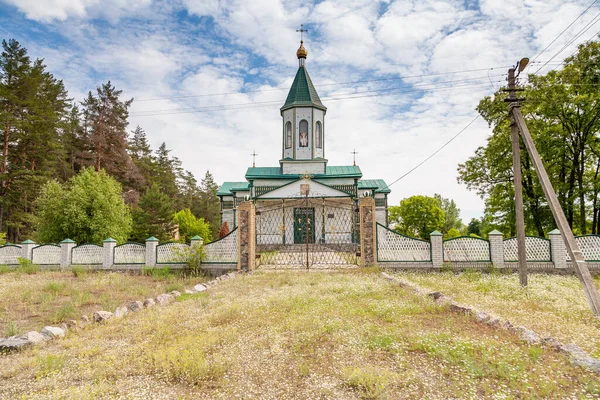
(399, 78)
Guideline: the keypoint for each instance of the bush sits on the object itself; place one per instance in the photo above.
(27, 266)
(79, 271)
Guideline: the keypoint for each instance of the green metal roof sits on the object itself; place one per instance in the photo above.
(227, 187)
(342, 171)
(378, 184)
(303, 92)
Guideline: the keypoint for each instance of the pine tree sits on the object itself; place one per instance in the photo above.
(209, 202)
(153, 216)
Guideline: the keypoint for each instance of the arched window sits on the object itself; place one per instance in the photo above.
(303, 133)
(319, 135)
(288, 135)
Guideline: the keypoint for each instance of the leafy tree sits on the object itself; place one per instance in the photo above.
(153, 216)
(419, 216)
(451, 214)
(452, 233)
(88, 208)
(190, 226)
(393, 215)
(474, 227)
(562, 112)
(224, 230)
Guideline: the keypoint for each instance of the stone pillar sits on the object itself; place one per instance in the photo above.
(247, 236)
(66, 248)
(109, 250)
(196, 241)
(437, 249)
(368, 238)
(27, 249)
(496, 248)
(151, 244)
(558, 250)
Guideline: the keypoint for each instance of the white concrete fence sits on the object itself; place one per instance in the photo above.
(396, 250)
(220, 254)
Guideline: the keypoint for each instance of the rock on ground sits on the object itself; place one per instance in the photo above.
(199, 288)
(164, 298)
(53, 331)
(149, 303)
(34, 337)
(120, 312)
(11, 344)
(136, 306)
(101, 316)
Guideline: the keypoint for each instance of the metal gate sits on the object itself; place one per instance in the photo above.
(307, 232)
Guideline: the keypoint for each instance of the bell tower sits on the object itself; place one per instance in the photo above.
(303, 114)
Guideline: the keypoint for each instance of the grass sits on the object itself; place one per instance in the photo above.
(343, 335)
(31, 301)
(551, 305)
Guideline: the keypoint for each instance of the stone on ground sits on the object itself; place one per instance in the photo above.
(53, 331)
(101, 316)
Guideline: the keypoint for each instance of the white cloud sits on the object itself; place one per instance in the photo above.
(50, 10)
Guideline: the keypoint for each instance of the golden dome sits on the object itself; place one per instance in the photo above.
(301, 53)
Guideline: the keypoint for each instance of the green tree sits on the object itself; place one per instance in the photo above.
(32, 107)
(451, 214)
(88, 208)
(419, 216)
(210, 206)
(190, 226)
(153, 216)
(452, 233)
(474, 227)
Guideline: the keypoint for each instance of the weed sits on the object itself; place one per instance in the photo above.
(55, 288)
(49, 364)
(381, 342)
(304, 370)
(12, 329)
(79, 271)
(66, 311)
(27, 266)
(185, 296)
(157, 273)
(372, 384)
(535, 352)
(4, 269)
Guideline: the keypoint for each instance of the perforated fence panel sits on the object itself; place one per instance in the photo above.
(171, 253)
(130, 253)
(47, 254)
(590, 247)
(224, 250)
(87, 254)
(466, 249)
(536, 249)
(9, 254)
(392, 246)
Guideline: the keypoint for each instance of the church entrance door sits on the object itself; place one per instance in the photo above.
(304, 225)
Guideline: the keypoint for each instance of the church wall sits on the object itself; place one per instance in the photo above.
(303, 153)
(305, 167)
(288, 115)
(272, 182)
(381, 215)
(318, 116)
(337, 181)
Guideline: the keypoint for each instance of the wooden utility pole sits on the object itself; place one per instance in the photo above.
(577, 260)
(516, 158)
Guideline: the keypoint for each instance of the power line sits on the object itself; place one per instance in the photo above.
(435, 152)
(564, 30)
(323, 85)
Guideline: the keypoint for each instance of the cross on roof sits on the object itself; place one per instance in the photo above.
(253, 158)
(354, 153)
(301, 30)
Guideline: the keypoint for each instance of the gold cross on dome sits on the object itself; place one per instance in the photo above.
(354, 153)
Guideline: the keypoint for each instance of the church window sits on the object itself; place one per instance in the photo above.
(304, 133)
(319, 135)
(288, 135)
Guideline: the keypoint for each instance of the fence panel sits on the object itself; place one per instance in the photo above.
(537, 249)
(87, 254)
(46, 254)
(171, 253)
(224, 250)
(392, 246)
(590, 247)
(9, 254)
(130, 253)
(467, 249)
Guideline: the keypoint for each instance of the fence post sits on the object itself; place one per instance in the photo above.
(557, 249)
(368, 239)
(151, 244)
(196, 241)
(66, 249)
(437, 249)
(27, 248)
(109, 246)
(496, 248)
(247, 236)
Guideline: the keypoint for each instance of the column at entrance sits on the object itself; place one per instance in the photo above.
(247, 236)
(368, 237)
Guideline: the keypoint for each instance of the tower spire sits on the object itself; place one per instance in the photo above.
(301, 53)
